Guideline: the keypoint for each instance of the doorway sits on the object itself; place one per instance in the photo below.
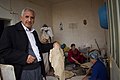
(3, 23)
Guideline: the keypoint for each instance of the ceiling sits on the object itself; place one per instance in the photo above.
(47, 1)
(57, 1)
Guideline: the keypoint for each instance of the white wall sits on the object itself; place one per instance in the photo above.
(43, 12)
(68, 12)
(115, 70)
(75, 11)
(3, 12)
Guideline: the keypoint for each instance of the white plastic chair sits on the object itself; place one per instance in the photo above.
(7, 72)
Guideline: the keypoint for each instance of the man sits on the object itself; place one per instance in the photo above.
(20, 47)
(74, 56)
(98, 70)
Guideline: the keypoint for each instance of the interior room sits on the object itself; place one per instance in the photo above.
(71, 21)
(70, 13)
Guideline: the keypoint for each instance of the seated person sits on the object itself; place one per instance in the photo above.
(74, 56)
(98, 70)
(65, 48)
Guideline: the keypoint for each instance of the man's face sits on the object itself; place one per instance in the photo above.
(28, 19)
(73, 48)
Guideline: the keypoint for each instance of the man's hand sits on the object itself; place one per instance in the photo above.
(75, 61)
(30, 59)
(82, 53)
(44, 41)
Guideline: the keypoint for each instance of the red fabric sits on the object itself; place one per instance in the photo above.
(76, 55)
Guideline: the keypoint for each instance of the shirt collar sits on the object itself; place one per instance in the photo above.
(26, 29)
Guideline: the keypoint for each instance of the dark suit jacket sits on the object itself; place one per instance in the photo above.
(14, 48)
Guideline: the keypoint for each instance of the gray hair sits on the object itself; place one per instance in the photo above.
(27, 9)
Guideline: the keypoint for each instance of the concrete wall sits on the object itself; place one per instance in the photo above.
(115, 70)
(71, 14)
(43, 11)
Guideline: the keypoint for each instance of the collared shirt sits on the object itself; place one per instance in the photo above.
(32, 42)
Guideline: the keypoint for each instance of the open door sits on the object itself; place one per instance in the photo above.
(3, 23)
